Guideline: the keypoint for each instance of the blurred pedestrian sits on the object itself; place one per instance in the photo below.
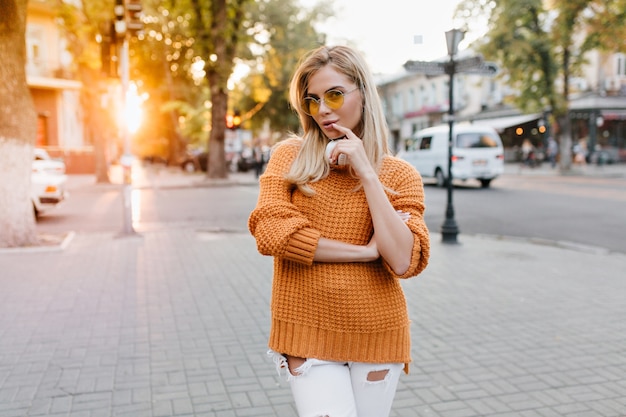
(259, 161)
(528, 153)
(553, 151)
(580, 152)
(343, 219)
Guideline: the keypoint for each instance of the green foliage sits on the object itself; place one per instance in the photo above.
(606, 25)
(172, 59)
(282, 32)
(519, 41)
(535, 46)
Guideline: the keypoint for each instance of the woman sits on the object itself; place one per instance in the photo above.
(343, 225)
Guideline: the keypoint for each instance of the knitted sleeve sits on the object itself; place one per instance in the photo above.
(278, 226)
(409, 197)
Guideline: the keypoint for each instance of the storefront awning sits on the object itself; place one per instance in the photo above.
(501, 123)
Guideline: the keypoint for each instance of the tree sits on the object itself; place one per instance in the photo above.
(268, 36)
(283, 31)
(163, 60)
(536, 46)
(218, 33)
(18, 121)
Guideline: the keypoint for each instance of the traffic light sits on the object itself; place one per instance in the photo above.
(120, 21)
(236, 120)
(233, 120)
(134, 10)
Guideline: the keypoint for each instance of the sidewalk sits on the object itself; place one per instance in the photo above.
(160, 176)
(175, 323)
(588, 170)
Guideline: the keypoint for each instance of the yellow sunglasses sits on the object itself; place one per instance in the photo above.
(333, 99)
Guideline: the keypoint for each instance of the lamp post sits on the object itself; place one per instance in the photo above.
(449, 229)
(126, 160)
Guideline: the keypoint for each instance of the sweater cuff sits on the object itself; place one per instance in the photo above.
(302, 246)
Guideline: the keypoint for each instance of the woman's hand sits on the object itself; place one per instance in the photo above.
(393, 240)
(404, 215)
(352, 147)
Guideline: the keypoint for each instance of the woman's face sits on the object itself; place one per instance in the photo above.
(348, 115)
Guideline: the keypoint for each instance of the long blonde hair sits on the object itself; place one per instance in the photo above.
(310, 165)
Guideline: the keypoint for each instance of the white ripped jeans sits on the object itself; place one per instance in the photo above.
(340, 389)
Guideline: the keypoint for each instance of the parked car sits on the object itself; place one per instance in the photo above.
(604, 156)
(477, 153)
(198, 161)
(195, 161)
(47, 182)
(46, 191)
(241, 161)
(42, 162)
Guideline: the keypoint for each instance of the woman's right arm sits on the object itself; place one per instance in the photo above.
(329, 250)
(276, 223)
(281, 230)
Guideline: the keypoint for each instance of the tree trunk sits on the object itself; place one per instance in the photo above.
(177, 143)
(97, 127)
(565, 144)
(217, 77)
(565, 162)
(100, 146)
(217, 159)
(18, 121)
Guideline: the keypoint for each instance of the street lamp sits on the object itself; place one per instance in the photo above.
(121, 29)
(449, 229)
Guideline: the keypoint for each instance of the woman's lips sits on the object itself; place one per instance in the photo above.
(329, 125)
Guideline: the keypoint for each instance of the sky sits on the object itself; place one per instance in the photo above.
(384, 31)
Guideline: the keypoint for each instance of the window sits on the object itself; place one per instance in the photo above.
(475, 140)
(620, 65)
(35, 50)
(425, 143)
(396, 105)
(411, 105)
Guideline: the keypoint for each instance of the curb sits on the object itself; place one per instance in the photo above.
(46, 247)
(560, 244)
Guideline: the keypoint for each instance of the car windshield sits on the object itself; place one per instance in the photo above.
(476, 140)
(41, 155)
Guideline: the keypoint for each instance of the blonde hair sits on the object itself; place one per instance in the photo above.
(310, 165)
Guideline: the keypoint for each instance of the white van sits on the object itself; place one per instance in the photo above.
(477, 153)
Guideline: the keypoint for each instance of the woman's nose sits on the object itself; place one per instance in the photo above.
(323, 107)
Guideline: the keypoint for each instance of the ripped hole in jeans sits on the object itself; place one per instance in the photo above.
(376, 376)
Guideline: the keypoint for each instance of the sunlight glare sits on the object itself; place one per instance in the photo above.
(133, 116)
(241, 71)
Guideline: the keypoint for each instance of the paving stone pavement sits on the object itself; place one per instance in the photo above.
(174, 323)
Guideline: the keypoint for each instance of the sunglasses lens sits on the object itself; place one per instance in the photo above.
(310, 106)
(333, 99)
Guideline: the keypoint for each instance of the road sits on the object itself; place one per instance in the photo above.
(581, 210)
(586, 211)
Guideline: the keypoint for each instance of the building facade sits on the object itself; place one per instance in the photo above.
(415, 101)
(55, 90)
(598, 110)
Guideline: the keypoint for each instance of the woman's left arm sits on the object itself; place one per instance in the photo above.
(394, 235)
(394, 239)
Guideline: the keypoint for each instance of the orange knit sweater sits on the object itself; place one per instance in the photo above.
(335, 311)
